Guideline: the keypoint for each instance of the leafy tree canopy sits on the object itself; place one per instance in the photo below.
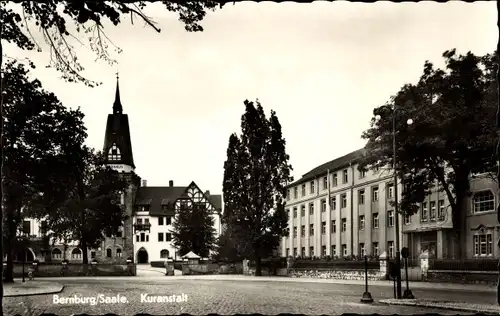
(256, 173)
(193, 230)
(20, 19)
(452, 135)
(40, 135)
(90, 207)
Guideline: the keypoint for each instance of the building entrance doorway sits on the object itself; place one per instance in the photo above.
(142, 256)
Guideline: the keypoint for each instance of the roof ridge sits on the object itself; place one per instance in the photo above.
(334, 164)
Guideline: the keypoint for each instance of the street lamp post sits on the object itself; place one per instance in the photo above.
(396, 204)
(396, 213)
(24, 252)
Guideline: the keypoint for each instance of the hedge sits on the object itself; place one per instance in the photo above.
(271, 263)
(485, 264)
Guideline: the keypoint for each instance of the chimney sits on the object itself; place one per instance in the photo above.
(171, 183)
(144, 183)
(207, 193)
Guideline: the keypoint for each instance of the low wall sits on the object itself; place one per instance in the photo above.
(414, 274)
(337, 274)
(56, 270)
(236, 268)
(266, 272)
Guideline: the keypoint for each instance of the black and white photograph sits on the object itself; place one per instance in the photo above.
(204, 157)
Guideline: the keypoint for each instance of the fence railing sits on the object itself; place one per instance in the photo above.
(480, 264)
(335, 264)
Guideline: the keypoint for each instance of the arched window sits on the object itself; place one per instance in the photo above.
(114, 153)
(56, 253)
(164, 254)
(483, 201)
(108, 253)
(118, 253)
(76, 254)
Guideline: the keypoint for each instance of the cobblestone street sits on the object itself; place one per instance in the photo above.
(225, 297)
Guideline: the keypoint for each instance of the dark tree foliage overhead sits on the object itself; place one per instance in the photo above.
(20, 19)
(193, 230)
(452, 136)
(256, 173)
(89, 207)
(40, 136)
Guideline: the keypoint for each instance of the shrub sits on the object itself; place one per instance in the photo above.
(271, 263)
(177, 265)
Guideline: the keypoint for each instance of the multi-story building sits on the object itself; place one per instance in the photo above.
(146, 235)
(337, 210)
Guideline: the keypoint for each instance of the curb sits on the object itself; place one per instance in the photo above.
(441, 305)
(154, 276)
(61, 288)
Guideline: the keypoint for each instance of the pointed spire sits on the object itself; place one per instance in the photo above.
(117, 105)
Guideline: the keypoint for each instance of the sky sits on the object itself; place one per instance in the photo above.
(321, 66)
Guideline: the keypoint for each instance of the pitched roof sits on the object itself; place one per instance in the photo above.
(191, 255)
(156, 197)
(332, 165)
(216, 200)
(118, 131)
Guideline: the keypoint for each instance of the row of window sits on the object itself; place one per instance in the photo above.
(361, 250)
(78, 254)
(361, 224)
(483, 201)
(429, 212)
(165, 221)
(436, 213)
(483, 244)
(343, 200)
(114, 153)
(333, 183)
(162, 237)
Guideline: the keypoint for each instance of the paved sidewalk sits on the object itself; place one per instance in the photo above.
(147, 270)
(456, 306)
(221, 277)
(31, 288)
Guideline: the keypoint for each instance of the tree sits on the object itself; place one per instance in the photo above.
(227, 248)
(91, 205)
(256, 173)
(193, 230)
(21, 19)
(452, 137)
(39, 133)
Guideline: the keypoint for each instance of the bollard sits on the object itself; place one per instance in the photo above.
(31, 271)
(64, 268)
(130, 267)
(367, 297)
(407, 293)
(93, 267)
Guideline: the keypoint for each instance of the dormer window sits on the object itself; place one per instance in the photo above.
(114, 153)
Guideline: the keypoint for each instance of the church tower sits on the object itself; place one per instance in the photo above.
(117, 143)
(118, 152)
